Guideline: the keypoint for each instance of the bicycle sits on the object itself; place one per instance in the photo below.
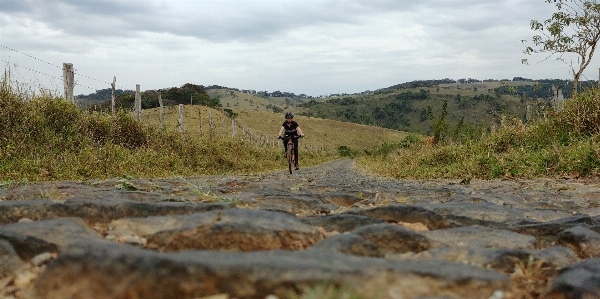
(289, 153)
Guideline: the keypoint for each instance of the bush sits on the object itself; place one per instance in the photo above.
(346, 151)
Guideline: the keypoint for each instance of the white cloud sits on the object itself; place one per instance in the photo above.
(313, 47)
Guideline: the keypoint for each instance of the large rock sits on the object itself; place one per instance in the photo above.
(135, 273)
(32, 238)
(407, 214)
(581, 239)
(101, 210)
(577, 281)
(9, 259)
(349, 243)
(341, 222)
(481, 236)
(232, 229)
(394, 238)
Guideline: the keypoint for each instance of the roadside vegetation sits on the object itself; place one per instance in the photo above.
(564, 144)
(45, 138)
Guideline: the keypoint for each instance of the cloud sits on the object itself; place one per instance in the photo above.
(302, 46)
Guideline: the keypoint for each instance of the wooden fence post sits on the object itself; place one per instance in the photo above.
(161, 111)
(223, 127)
(201, 125)
(138, 103)
(69, 81)
(210, 123)
(180, 118)
(112, 95)
(233, 128)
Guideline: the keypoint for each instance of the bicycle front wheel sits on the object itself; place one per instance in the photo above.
(290, 159)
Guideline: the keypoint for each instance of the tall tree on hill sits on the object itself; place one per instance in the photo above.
(574, 28)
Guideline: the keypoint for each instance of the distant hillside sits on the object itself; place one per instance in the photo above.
(263, 125)
(478, 104)
(399, 107)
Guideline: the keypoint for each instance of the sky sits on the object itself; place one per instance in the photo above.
(312, 47)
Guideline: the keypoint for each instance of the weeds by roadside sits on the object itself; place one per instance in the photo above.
(46, 138)
(327, 291)
(566, 143)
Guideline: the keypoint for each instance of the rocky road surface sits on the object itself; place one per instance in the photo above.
(273, 235)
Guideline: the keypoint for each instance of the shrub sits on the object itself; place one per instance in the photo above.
(346, 151)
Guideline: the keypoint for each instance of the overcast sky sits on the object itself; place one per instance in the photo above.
(315, 47)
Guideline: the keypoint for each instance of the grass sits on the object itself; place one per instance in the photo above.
(327, 291)
(322, 134)
(530, 279)
(565, 144)
(45, 138)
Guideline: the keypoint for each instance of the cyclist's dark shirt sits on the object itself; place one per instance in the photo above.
(290, 129)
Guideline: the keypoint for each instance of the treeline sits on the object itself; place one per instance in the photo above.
(416, 84)
(394, 112)
(186, 94)
(407, 110)
(102, 95)
(543, 88)
(537, 89)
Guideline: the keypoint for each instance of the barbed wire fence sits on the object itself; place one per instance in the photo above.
(71, 77)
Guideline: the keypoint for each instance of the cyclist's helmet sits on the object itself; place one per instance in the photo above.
(289, 115)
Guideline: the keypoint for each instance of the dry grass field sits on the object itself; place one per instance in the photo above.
(240, 101)
(320, 133)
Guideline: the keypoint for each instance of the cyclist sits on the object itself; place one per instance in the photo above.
(291, 129)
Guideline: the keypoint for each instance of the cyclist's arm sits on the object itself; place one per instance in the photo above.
(299, 131)
(281, 131)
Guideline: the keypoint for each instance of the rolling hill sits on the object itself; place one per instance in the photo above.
(321, 134)
(403, 107)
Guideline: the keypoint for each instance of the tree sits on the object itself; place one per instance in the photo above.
(439, 124)
(574, 28)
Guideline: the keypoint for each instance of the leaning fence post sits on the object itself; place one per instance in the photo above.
(69, 80)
